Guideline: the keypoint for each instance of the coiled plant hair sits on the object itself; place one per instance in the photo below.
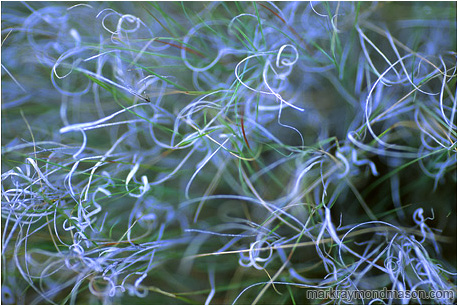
(228, 152)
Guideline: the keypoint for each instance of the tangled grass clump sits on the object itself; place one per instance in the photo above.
(228, 152)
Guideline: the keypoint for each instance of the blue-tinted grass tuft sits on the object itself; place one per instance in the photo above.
(228, 152)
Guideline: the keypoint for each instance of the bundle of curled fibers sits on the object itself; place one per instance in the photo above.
(229, 152)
